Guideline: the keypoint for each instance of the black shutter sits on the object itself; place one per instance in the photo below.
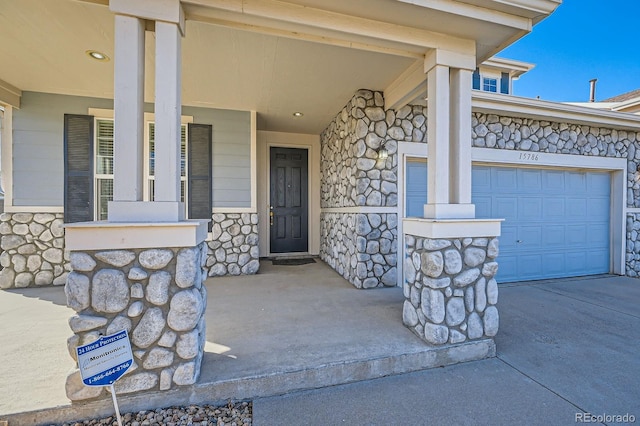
(504, 83)
(200, 158)
(476, 79)
(78, 168)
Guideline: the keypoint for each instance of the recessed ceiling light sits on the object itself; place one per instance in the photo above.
(298, 114)
(98, 56)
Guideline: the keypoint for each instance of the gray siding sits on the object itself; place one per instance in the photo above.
(38, 175)
(38, 169)
(231, 154)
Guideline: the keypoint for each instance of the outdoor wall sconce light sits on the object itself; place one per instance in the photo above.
(382, 152)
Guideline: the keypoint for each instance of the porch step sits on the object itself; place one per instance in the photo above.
(270, 384)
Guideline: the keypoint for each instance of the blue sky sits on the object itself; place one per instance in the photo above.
(583, 39)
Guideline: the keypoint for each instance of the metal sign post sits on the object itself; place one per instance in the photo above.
(104, 361)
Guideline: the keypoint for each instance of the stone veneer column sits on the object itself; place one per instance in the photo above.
(450, 293)
(155, 294)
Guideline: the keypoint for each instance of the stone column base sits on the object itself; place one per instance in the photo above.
(158, 296)
(449, 288)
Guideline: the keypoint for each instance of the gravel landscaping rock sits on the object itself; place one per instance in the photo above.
(236, 414)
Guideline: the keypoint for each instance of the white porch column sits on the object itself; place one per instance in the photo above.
(167, 113)
(128, 204)
(460, 160)
(128, 109)
(449, 135)
(438, 137)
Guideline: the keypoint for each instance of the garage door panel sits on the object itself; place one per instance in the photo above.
(530, 266)
(554, 264)
(530, 236)
(483, 206)
(553, 208)
(599, 182)
(576, 235)
(530, 208)
(553, 182)
(553, 235)
(597, 234)
(598, 208)
(508, 266)
(505, 207)
(505, 179)
(576, 262)
(509, 236)
(481, 178)
(598, 260)
(529, 180)
(576, 182)
(576, 207)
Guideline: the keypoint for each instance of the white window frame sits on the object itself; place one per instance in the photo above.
(147, 159)
(489, 82)
(107, 114)
(98, 176)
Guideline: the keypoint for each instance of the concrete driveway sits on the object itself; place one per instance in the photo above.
(565, 348)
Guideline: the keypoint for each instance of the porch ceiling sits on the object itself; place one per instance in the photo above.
(236, 55)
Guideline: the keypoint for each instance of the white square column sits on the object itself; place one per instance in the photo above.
(167, 114)
(128, 109)
(449, 135)
(438, 138)
(460, 134)
(131, 18)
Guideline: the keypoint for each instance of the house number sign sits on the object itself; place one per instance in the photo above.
(528, 157)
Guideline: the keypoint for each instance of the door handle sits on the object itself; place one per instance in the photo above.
(271, 217)
(518, 241)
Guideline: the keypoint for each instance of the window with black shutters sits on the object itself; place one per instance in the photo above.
(89, 167)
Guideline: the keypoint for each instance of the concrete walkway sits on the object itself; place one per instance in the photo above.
(564, 346)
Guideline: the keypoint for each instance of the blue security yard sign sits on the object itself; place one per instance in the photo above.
(104, 361)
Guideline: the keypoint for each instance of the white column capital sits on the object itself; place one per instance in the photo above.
(154, 10)
(449, 59)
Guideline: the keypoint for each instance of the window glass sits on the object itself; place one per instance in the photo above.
(490, 84)
(152, 160)
(104, 165)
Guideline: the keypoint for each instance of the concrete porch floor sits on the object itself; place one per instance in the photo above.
(565, 346)
(287, 328)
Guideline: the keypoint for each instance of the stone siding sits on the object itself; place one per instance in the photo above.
(450, 293)
(233, 249)
(362, 246)
(158, 296)
(32, 250)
